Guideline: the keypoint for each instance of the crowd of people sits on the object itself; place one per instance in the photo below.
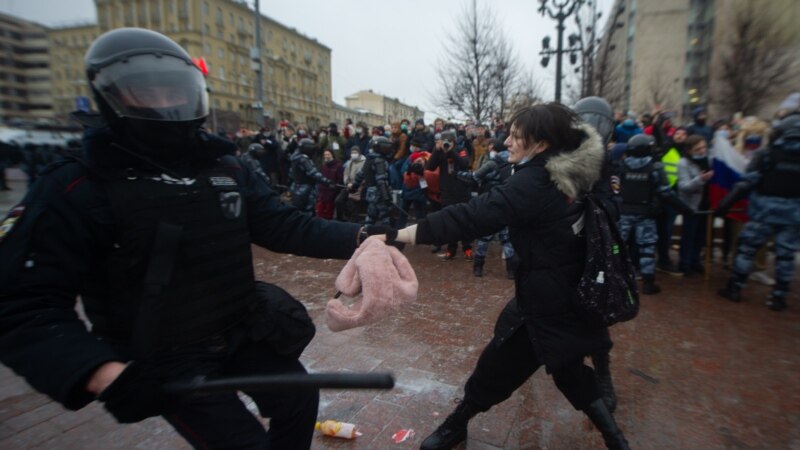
(665, 173)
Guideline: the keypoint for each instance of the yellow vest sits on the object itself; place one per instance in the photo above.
(670, 161)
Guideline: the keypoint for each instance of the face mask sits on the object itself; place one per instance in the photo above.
(359, 130)
(492, 154)
(322, 135)
(354, 155)
(628, 123)
(387, 133)
(724, 134)
(404, 127)
(698, 157)
(327, 160)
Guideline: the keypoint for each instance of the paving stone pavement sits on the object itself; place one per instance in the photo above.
(693, 371)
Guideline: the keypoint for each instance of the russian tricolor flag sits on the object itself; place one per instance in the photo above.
(728, 165)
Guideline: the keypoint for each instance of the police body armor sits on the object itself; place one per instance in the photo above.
(376, 179)
(299, 174)
(211, 286)
(782, 174)
(637, 191)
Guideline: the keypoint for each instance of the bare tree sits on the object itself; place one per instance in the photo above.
(505, 77)
(661, 91)
(607, 73)
(480, 72)
(757, 61)
(528, 93)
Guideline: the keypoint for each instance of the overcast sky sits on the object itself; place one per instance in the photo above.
(392, 47)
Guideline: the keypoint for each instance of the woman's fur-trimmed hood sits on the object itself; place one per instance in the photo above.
(574, 172)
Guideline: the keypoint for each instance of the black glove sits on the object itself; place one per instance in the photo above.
(417, 169)
(391, 235)
(137, 394)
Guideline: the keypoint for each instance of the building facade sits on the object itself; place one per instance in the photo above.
(390, 109)
(669, 53)
(341, 113)
(25, 84)
(295, 69)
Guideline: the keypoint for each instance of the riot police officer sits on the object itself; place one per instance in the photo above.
(375, 176)
(306, 176)
(251, 158)
(774, 211)
(153, 228)
(643, 185)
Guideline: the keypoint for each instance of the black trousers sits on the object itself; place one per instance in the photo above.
(222, 421)
(507, 363)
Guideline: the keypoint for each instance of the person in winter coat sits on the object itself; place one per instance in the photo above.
(414, 186)
(360, 138)
(305, 177)
(494, 169)
(421, 130)
(626, 130)
(694, 171)
(333, 141)
(556, 160)
(699, 126)
(450, 160)
(332, 170)
(665, 222)
(349, 205)
(400, 145)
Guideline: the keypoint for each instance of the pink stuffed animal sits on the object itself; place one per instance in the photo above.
(385, 278)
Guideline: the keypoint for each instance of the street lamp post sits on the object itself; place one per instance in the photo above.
(564, 8)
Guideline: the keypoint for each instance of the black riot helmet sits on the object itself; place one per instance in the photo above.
(256, 149)
(595, 111)
(787, 128)
(381, 145)
(307, 146)
(147, 87)
(641, 145)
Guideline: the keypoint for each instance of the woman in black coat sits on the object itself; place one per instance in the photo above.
(556, 160)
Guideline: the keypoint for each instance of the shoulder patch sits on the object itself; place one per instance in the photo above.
(10, 220)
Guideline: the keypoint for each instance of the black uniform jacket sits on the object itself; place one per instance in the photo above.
(536, 203)
(65, 230)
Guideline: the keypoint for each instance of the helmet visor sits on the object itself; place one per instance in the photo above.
(154, 88)
(603, 124)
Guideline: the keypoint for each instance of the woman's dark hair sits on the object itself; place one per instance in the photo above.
(552, 122)
(691, 141)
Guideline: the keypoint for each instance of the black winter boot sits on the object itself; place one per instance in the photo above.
(650, 287)
(776, 303)
(477, 265)
(602, 419)
(602, 376)
(454, 429)
(731, 291)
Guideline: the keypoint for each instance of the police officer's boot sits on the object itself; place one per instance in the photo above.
(731, 291)
(477, 265)
(454, 429)
(777, 298)
(650, 287)
(602, 419)
(602, 376)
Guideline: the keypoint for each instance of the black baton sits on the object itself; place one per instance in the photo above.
(277, 383)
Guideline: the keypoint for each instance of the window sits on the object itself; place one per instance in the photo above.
(230, 17)
(221, 72)
(206, 49)
(221, 52)
(205, 8)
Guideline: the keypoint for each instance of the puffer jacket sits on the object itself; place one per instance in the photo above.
(538, 205)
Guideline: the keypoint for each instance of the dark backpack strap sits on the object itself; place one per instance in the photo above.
(157, 276)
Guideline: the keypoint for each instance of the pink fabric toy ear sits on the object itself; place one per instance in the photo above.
(385, 278)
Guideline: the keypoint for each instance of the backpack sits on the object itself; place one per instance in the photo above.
(607, 292)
